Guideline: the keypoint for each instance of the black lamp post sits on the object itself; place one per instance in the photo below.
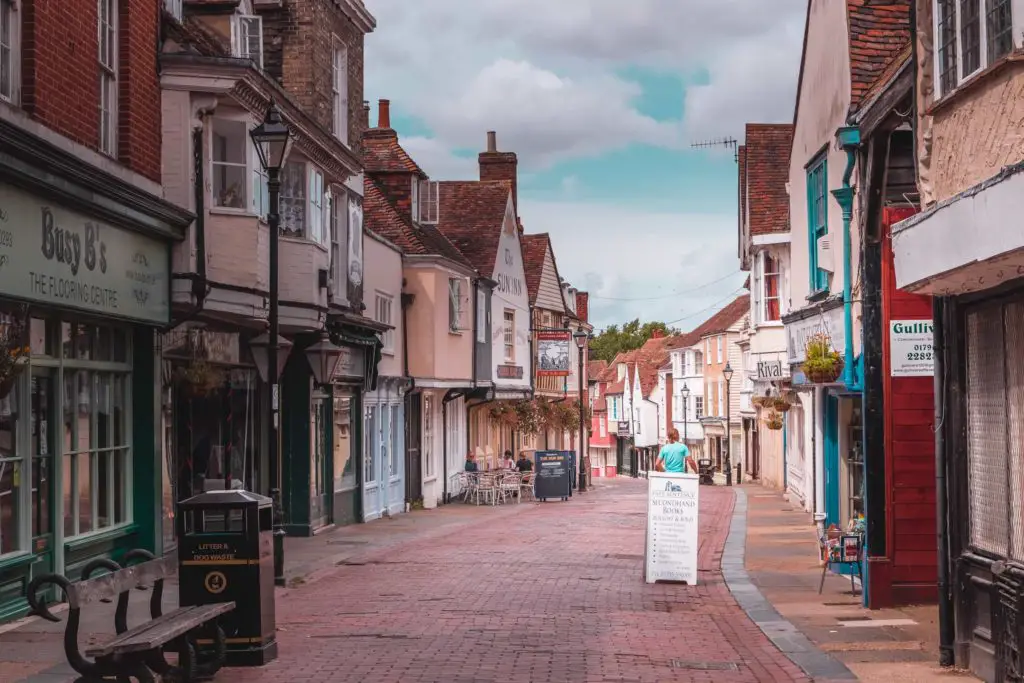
(273, 141)
(686, 400)
(727, 373)
(581, 337)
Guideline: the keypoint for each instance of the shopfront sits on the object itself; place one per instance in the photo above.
(80, 300)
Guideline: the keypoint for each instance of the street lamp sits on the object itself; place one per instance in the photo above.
(273, 141)
(581, 337)
(324, 358)
(686, 400)
(727, 373)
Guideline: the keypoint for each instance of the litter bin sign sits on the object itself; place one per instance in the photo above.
(226, 554)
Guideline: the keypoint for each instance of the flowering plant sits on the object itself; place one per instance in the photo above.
(14, 352)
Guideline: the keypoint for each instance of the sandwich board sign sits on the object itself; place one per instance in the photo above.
(670, 552)
(554, 475)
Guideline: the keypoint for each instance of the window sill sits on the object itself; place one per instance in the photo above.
(303, 240)
(229, 211)
(16, 561)
(769, 323)
(455, 333)
(388, 352)
(430, 480)
(85, 540)
(818, 295)
(975, 81)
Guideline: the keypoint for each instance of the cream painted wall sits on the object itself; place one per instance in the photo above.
(511, 294)
(383, 275)
(822, 108)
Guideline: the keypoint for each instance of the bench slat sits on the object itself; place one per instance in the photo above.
(160, 631)
(108, 586)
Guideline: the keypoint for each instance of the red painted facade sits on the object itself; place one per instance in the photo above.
(910, 574)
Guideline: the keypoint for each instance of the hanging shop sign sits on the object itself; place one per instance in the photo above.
(671, 549)
(553, 354)
(56, 256)
(623, 428)
(351, 363)
(828, 322)
(910, 348)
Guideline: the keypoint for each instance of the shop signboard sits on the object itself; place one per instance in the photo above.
(554, 475)
(828, 322)
(910, 348)
(670, 552)
(553, 354)
(55, 256)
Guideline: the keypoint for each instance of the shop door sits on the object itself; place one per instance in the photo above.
(320, 476)
(373, 474)
(831, 458)
(413, 434)
(43, 406)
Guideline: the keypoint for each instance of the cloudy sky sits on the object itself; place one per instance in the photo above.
(602, 101)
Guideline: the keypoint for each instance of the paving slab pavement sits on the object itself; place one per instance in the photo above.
(548, 592)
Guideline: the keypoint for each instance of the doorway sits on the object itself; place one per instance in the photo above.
(320, 472)
(413, 440)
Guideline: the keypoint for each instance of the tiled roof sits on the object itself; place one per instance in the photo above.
(386, 221)
(535, 248)
(383, 154)
(878, 33)
(596, 368)
(471, 217)
(741, 159)
(767, 172)
(616, 388)
(724, 319)
(887, 75)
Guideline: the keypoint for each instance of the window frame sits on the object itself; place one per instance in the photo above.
(952, 71)
(248, 166)
(414, 199)
(455, 305)
(239, 20)
(721, 397)
(427, 442)
(339, 90)
(428, 210)
(108, 75)
(817, 220)
(176, 8)
(719, 344)
(11, 10)
(508, 334)
(481, 316)
(338, 246)
(384, 308)
(765, 258)
(698, 407)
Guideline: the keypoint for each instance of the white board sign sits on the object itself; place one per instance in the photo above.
(671, 548)
(910, 348)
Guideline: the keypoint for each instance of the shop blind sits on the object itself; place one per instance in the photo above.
(988, 484)
(1015, 434)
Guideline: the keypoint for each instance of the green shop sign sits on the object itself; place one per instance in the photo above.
(52, 255)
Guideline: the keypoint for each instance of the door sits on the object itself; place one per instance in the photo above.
(413, 439)
(320, 475)
(395, 463)
(373, 474)
(44, 406)
(755, 447)
(831, 457)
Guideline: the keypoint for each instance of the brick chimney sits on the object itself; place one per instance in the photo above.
(582, 302)
(366, 115)
(384, 114)
(495, 165)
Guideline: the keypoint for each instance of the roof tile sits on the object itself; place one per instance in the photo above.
(383, 154)
(878, 33)
(472, 214)
(535, 248)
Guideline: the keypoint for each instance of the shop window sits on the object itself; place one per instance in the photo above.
(10, 476)
(370, 439)
(396, 435)
(344, 463)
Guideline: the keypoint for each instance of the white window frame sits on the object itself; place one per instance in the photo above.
(10, 23)
(481, 316)
(175, 8)
(241, 46)
(339, 243)
(719, 343)
(427, 445)
(960, 77)
(764, 257)
(317, 220)
(603, 427)
(698, 407)
(383, 313)
(707, 351)
(339, 90)
(455, 305)
(107, 31)
(429, 200)
(721, 398)
(249, 166)
(508, 334)
(414, 199)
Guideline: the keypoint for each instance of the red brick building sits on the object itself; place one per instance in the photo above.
(85, 251)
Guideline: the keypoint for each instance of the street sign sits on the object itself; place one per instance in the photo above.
(554, 475)
(670, 552)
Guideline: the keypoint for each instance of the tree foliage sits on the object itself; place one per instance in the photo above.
(614, 340)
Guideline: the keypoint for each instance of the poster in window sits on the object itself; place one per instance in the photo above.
(553, 354)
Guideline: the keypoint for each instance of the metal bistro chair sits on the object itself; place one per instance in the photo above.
(526, 486)
(486, 488)
(509, 485)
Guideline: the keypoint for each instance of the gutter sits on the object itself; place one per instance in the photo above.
(407, 301)
(848, 137)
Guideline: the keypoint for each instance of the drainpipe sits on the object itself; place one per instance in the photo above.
(407, 301)
(200, 286)
(947, 656)
(848, 137)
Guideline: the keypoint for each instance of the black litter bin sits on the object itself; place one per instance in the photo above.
(226, 554)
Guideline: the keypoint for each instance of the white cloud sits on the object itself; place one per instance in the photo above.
(659, 266)
(437, 160)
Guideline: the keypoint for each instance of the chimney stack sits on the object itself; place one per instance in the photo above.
(384, 114)
(366, 115)
(495, 165)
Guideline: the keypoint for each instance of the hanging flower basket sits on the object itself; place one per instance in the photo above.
(773, 421)
(822, 364)
(14, 352)
(781, 404)
(200, 378)
(760, 401)
(547, 414)
(503, 413)
(569, 416)
(527, 419)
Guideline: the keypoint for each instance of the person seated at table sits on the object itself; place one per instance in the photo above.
(508, 463)
(471, 465)
(524, 464)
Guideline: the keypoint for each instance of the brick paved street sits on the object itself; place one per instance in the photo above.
(553, 593)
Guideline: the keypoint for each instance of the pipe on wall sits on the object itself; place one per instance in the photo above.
(947, 634)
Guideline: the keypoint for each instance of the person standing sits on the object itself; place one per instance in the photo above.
(674, 455)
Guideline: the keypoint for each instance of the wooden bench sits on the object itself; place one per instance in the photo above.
(134, 653)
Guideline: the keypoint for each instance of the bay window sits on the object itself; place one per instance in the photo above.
(231, 162)
(317, 216)
(382, 314)
(454, 305)
(306, 203)
(339, 243)
(772, 308)
(970, 36)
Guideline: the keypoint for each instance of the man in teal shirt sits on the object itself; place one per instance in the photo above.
(673, 455)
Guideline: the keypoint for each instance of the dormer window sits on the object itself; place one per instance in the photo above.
(247, 37)
(429, 200)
